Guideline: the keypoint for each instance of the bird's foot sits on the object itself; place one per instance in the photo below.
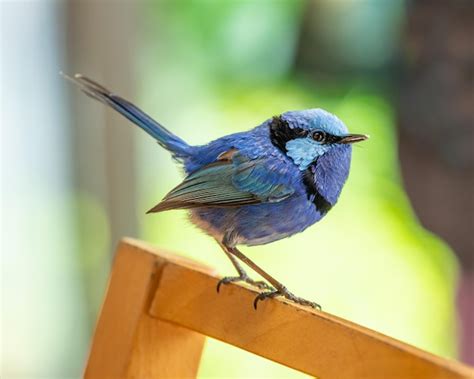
(288, 295)
(244, 278)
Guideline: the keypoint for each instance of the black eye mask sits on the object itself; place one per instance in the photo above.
(281, 133)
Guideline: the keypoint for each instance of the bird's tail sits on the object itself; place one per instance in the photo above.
(164, 137)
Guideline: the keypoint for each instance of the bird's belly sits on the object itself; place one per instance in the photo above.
(257, 224)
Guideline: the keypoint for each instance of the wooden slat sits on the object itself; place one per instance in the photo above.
(127, 342)
(164, 350)
(313, 342)
(159, 306)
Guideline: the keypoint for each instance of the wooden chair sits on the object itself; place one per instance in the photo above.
(159, 308)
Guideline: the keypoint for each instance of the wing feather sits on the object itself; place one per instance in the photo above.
(226, 183)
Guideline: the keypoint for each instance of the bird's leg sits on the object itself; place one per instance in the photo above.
(242, 277)
(279, 290)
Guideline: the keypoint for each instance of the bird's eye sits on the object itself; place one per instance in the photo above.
(319, 136)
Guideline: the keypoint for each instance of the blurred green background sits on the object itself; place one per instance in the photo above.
(76, 177)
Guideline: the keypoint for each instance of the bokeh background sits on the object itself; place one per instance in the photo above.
(395, 255)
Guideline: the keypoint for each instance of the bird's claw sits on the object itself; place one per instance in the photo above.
(288, 295)
(244, 278)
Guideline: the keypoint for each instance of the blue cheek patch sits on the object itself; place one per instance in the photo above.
(304, 151)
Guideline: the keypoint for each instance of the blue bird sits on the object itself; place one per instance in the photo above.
(253, 187)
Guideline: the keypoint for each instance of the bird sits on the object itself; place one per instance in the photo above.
(252, 187)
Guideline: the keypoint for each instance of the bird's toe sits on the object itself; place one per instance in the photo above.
(287, 295)
(244, 278)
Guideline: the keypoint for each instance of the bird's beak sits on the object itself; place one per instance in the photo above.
(353, 138)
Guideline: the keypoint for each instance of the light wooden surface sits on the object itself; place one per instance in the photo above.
(128, 342)
(156, 299)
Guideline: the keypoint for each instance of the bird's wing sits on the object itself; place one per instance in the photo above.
(232, 181)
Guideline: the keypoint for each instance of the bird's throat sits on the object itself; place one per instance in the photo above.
(330, 172)
(321, 204)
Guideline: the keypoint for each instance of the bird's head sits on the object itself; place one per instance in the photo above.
(305, 136)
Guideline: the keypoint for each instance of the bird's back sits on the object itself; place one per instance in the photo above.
(254, 143)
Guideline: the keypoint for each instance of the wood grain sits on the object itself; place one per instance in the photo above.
(164, 350)
(159, 307)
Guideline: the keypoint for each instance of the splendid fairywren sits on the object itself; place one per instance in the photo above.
(253, 187)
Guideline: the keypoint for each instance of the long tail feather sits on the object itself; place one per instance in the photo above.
(164, 137)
